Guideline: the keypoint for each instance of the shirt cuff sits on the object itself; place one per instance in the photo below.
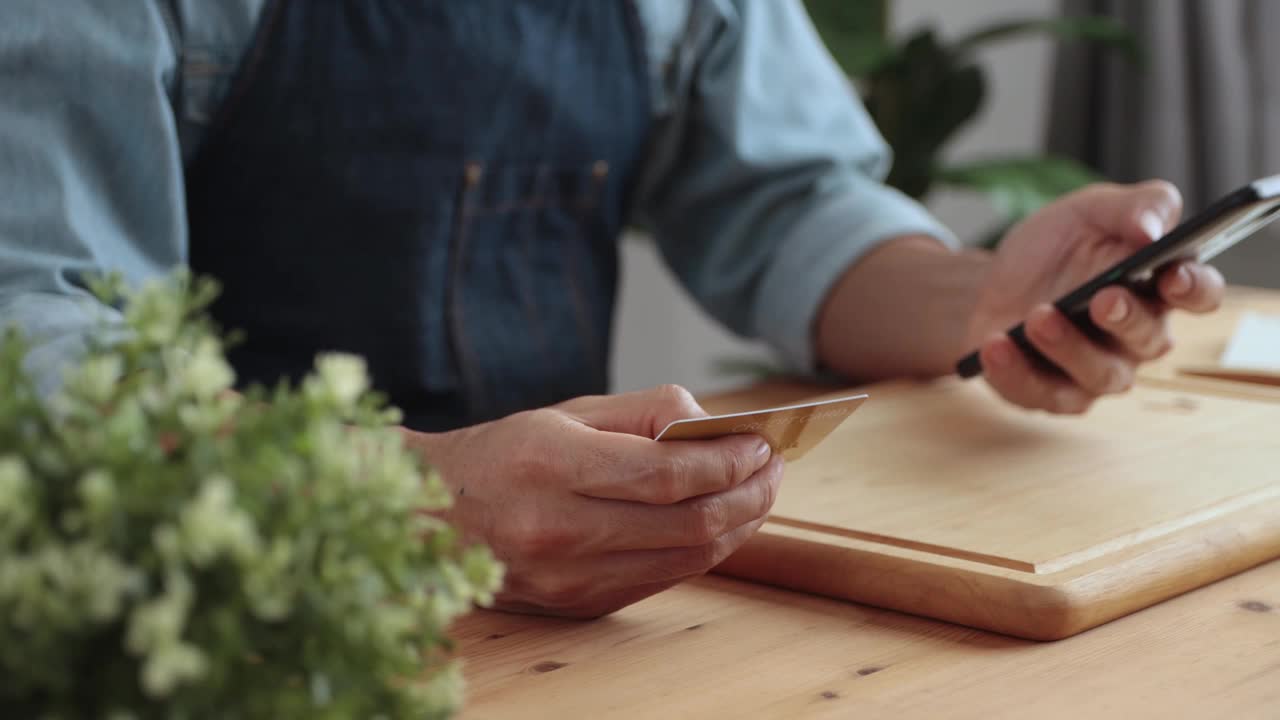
(838, 230)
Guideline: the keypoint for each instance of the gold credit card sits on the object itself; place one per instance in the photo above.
(791, 431)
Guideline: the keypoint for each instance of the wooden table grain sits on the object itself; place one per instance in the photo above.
(719, 647)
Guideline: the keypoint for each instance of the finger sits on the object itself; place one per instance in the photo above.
(625, 467)
(1137, 326)
(1192, 286)
(596, 526)
(618, 525)
(590, 587)
(1097, 370)
(1010, 373)
(682, 563)
(643, 412)
(1137, 214)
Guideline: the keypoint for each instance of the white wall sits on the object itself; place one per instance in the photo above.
(661, 336)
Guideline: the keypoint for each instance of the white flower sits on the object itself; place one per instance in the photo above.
(204, 372)
(95, 379)
(154, 313)
(170, 665)
(484, 573)
(443, 607)
(157, 622)
(441, 691)
(433, 493)
(334, 459)
(201, 418)
(97, 491)
(154, 631)
(221, 410)
(107, 583)
(101, 579)
(212, 525)
(344, 376)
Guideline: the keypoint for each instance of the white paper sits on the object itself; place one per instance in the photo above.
(1255, 344)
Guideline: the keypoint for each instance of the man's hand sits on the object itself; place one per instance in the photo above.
(588, 512)
(1053, 252)
(913, 308)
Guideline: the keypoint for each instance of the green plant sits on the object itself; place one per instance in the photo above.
(921, 91)
(169, 549)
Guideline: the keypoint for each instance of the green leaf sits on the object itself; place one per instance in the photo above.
(854, 31)
(1019, 186)
(1094, 29)
(919, 102)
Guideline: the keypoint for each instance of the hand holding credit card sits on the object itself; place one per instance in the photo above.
(791, 431)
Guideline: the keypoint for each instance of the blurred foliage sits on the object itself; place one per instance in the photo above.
(169, 549)
(922, 90)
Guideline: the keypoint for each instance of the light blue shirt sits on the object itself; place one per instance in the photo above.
(763, 186)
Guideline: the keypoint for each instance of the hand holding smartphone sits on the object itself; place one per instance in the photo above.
(1200, 238)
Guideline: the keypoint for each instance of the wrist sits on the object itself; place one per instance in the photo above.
(904, 310)
(434, 450)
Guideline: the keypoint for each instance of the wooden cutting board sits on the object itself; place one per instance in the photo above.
(939, 500)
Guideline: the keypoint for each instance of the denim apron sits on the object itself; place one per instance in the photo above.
(435, 185)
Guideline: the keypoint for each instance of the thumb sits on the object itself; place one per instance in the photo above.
(1137, 214)
(643, 412)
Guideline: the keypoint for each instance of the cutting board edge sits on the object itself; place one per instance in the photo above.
(1033, 606)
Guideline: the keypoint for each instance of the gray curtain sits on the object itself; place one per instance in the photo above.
(1204, 112)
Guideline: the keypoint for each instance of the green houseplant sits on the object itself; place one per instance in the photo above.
(169, 549)
(922, 90)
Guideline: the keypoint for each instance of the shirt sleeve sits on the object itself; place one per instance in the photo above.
(764, 183)
(90, 164)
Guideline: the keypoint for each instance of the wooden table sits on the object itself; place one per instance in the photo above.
(718, 647)
(1200, 340)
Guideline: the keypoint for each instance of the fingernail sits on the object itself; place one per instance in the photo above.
(1119, 311)
(763, 449)
(1067, 399)
(1117, 380)
(1000, 355)
(1051, 329)
(1182, 281)
(1152, 225)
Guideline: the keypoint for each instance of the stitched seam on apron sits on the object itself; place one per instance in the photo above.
(474, 397)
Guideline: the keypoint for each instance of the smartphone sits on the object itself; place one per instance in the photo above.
(1221, 225)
